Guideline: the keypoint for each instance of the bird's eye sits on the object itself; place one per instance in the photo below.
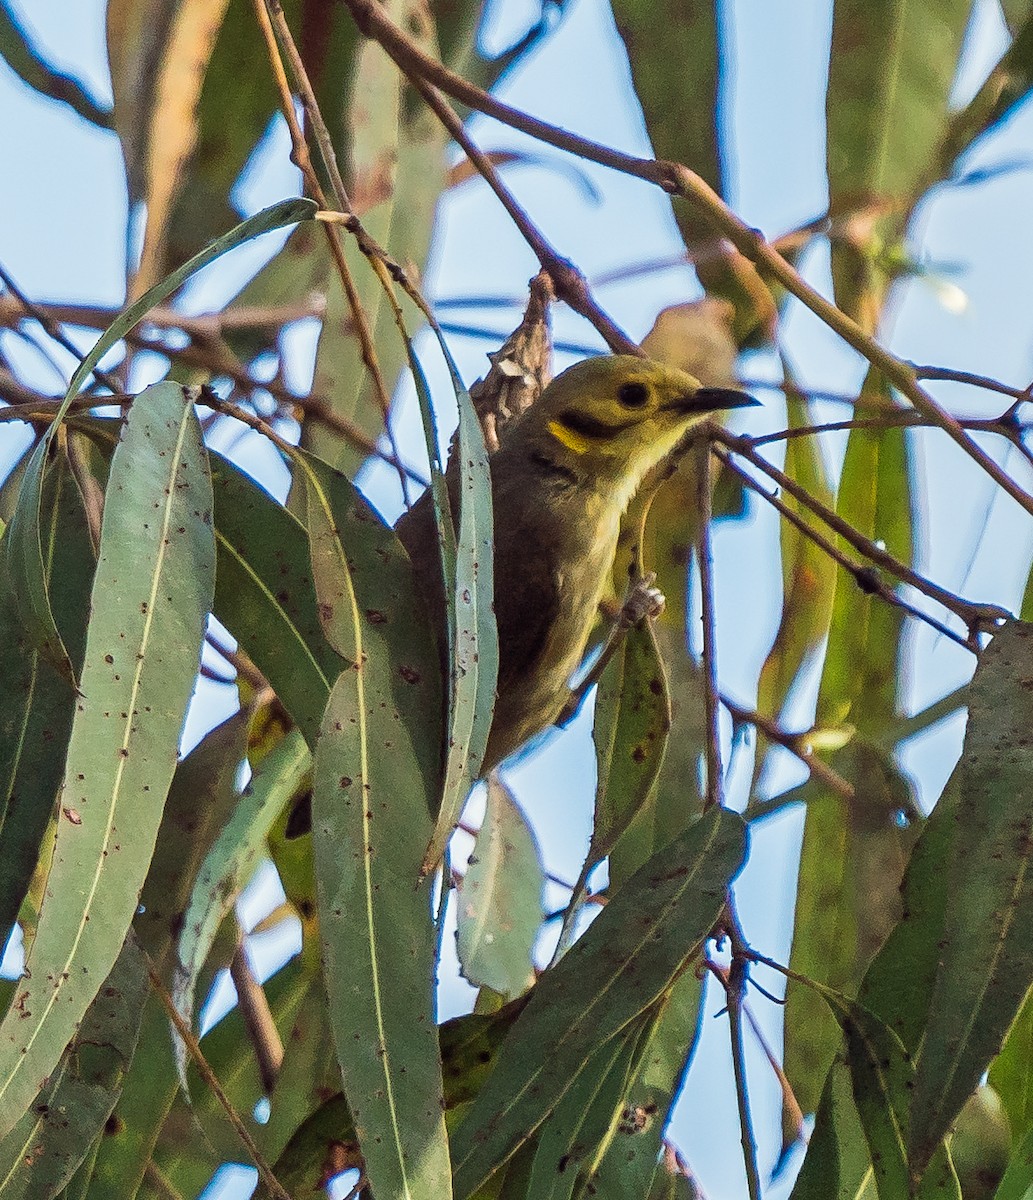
(633, 395)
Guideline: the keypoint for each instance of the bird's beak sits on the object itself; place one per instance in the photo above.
(706, 400)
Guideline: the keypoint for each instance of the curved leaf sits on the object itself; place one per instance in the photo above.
(42, 1151)
(499, 899)
(22, 545)
(371, 823)
(986, 950)
(376, 775)
(265, 596)
(637, 946)
(151, 597)
(36, 716)
(231, 860)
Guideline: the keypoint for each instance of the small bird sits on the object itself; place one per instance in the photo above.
(562, 479)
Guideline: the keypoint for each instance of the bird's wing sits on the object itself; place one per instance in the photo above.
(527, 601)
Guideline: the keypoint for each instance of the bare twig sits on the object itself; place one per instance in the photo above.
(258, 1018)
(796, 743)
(51, 328)
(568, 282)
(866, 578)
(677, 180)
(789, 1100)
(974, 615)
(277, 35)
(708, 657)
(204, 1069)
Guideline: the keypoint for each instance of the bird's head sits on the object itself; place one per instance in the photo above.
(615, 417)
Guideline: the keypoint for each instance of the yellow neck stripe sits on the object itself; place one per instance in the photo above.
(570, 439)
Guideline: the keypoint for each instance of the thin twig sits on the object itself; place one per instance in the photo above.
(796, 743)
(974, 615)
(203, 326)
(258, 1018)
(277, 35)
(866, 578)
(705, 558)
(568, 282)
(677, 180)
(789, 1100)
(735, 993)
(212, 1081)
(51, 328)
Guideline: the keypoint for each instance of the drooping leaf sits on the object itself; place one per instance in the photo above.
(808, 575)
(853, 848)
(231, 860)
(632, 1156)
(637, 946)
(1011, 1072)
(838, 1165)
(467, 556)
(499, 899)
(47, 1142)
(571, 1141)
(150, 601)
(22, 547)
(371, 806)
(36, 717)
(890, 75)
(395, 176)
(265, 596)
(377, 771)
(159, 55)
(986, 951)
(1005, 87)
(184, 1161)
(632, 721)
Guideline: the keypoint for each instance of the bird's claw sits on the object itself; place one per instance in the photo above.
(643, 600)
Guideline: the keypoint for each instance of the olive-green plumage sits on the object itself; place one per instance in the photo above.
(561, 481)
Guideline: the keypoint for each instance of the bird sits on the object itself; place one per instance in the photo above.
(561, 480)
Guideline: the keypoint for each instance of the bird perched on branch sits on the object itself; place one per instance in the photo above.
(562, 479)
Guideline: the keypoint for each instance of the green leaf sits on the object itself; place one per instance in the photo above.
(265, 596)
(377, 767)
(674, 55)
(1011, 1072)
(36, 716)
(808, 573)
(1005, 87)
(50, 1138)
(231, 861)
(637, 946)
(467, 556)
(630, 1162)
(632, 721)
(239, 101)
(587, 1116)
(23, 548)
(151, 597)
(396, 174)
(156, 103)
(185, 1161)
(853, 852)
(882, 1074)
(838, 1165)
(890, 75)
(1017, 1183)
(986, 950)
(499, 899)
